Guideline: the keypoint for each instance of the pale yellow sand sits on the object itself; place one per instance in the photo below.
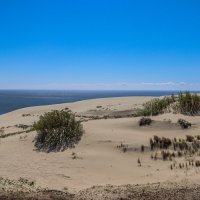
(99, 160)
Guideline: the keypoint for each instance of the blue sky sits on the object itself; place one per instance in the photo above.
(100, 44)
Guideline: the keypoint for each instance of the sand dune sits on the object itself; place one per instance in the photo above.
(99, 161)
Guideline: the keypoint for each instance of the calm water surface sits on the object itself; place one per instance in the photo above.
(14, 99)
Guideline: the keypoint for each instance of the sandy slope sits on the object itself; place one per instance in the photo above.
(99, 161)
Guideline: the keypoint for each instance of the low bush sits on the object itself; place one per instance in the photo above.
(145, 121)
(184, 124)
(57, 130)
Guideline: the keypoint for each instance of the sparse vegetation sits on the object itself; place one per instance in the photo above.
(142, 148)
(22, 126)
(145, 121)
(139, 162)
(1, 131)
(189, 138)
(156, 106)
(171, 149)
(123, 147)
(185, 103)
(188, 103)
(26, 115)
(57, 130)
(184, 124)
(160, 143)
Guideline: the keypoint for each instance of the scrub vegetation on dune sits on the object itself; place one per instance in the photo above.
(57, 130)
(184, 103)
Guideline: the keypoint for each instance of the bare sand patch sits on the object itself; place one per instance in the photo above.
(98, 161)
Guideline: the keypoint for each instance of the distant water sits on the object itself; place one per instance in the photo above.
(14, 99)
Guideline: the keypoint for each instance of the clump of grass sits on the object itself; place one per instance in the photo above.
(165, 155)
(26, 115)
(189, 138)
(156, 156)
(142, 148)
(185, 103)
(139, 162)
(198, 137)
(1, 131)
(160, 143)
(57, 130)
(22, 126)
(188, 103)
(184, 124)
(74, 156)
(155, 106)
(180, 154)
(123, 147)
(144, 121)
(197, 163)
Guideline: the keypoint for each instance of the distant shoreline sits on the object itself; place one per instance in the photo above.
(11, 100)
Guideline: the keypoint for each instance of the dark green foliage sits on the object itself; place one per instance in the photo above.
(155, 106)
(145, 121)
(57, 130)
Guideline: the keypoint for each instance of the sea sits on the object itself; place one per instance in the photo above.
(11, 100)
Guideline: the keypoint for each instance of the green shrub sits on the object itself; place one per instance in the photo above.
(57, 130)
(188, 103)
(156, 106)
(185, 103)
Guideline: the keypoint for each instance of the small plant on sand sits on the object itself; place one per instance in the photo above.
(139, 162)
(189, 138)
(57, 130)
(155, 156)
(184, 124)
(1, 131)
(197, 163)
(160, 143)
(145, 121)
(198, 137)
(142, 148)
(74, 156)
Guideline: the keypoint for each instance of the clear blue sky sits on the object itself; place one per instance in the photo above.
(100, 44)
